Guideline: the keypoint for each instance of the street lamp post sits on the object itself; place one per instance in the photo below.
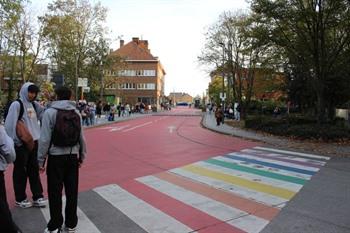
(101, 73)
(223, 79)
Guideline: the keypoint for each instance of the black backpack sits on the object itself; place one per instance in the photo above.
(67, 128)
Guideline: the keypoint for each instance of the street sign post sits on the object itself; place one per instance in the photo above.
(82, 82)
(222, 96)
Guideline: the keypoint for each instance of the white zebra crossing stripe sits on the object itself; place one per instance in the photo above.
(145, 215)
(84, 223)
(248, 156)
(292, 153)
(244, 192)
(207, 205)
(287, 156)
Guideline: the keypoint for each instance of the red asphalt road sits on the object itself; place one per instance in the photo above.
(122, 151)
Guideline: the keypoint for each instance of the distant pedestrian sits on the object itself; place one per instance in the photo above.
(7, 156)
(219, 114)
(238, 112)
(63, 144)
(99, 109)
(26, 164)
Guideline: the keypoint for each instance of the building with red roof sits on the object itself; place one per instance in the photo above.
(142, 77)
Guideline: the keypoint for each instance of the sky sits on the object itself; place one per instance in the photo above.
(175, 32)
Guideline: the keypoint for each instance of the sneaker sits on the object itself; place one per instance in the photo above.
(40, 202)
(55, 231)
(24, 204)
(70, 230)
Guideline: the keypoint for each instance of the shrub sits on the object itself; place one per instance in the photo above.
(299, 127)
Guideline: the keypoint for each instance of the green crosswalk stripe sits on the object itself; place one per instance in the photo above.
(257, 171)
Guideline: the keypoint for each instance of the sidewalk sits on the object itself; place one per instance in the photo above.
(323, 204)
(104, 121)
(327, 149)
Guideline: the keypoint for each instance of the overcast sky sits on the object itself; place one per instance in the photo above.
(174, 30)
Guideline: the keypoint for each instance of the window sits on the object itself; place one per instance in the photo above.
(127, 86)
(149, 73)
(146, 86)
(139, 73)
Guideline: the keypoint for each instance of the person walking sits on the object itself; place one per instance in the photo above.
(219, 114)
(7, 156)
(62, 143)
(26, 164)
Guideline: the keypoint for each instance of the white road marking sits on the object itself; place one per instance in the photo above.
(84, 223)
(292, 153)
(138, 126)
(142, 213)
(171, 128)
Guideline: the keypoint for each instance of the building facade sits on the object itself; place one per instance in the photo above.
(142, 78)
(180, 97)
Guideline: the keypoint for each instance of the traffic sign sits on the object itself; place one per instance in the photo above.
(82, 82)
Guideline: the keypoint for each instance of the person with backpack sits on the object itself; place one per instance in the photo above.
(7, 156)
(27, 112)
(62, 143)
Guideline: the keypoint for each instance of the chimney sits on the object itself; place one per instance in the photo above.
(144, 44)
(121, 43)
(135, 39)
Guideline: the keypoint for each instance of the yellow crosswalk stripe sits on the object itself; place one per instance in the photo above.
(279, 192)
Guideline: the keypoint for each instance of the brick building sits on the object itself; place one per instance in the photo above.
(142, 78)
(180, 97)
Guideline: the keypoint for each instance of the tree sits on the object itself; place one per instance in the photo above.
(10, 11)
(232, 35)
(73, 28)
(313, 36)
(28, 39)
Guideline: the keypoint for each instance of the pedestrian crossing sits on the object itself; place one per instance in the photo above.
(236, 192)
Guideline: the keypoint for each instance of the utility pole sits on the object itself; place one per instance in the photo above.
(223, 76)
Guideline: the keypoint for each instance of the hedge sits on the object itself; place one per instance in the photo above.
(299, 128)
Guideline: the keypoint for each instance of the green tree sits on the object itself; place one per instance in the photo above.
(235, 53)
(10, 11)
(313, 36)
(72, 29)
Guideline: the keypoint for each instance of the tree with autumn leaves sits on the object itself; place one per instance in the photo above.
(308, 41)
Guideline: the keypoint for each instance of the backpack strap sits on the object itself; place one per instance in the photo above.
(21, 110)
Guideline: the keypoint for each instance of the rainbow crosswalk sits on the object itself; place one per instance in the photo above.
(237, 192)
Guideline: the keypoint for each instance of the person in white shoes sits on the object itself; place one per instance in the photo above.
(62, 144)
(26, 164)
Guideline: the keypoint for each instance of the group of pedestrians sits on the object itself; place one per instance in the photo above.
(231, 111)
(32, 135)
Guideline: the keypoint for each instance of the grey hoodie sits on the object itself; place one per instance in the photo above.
(47, 126)
(30, 116)
(7, 150)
